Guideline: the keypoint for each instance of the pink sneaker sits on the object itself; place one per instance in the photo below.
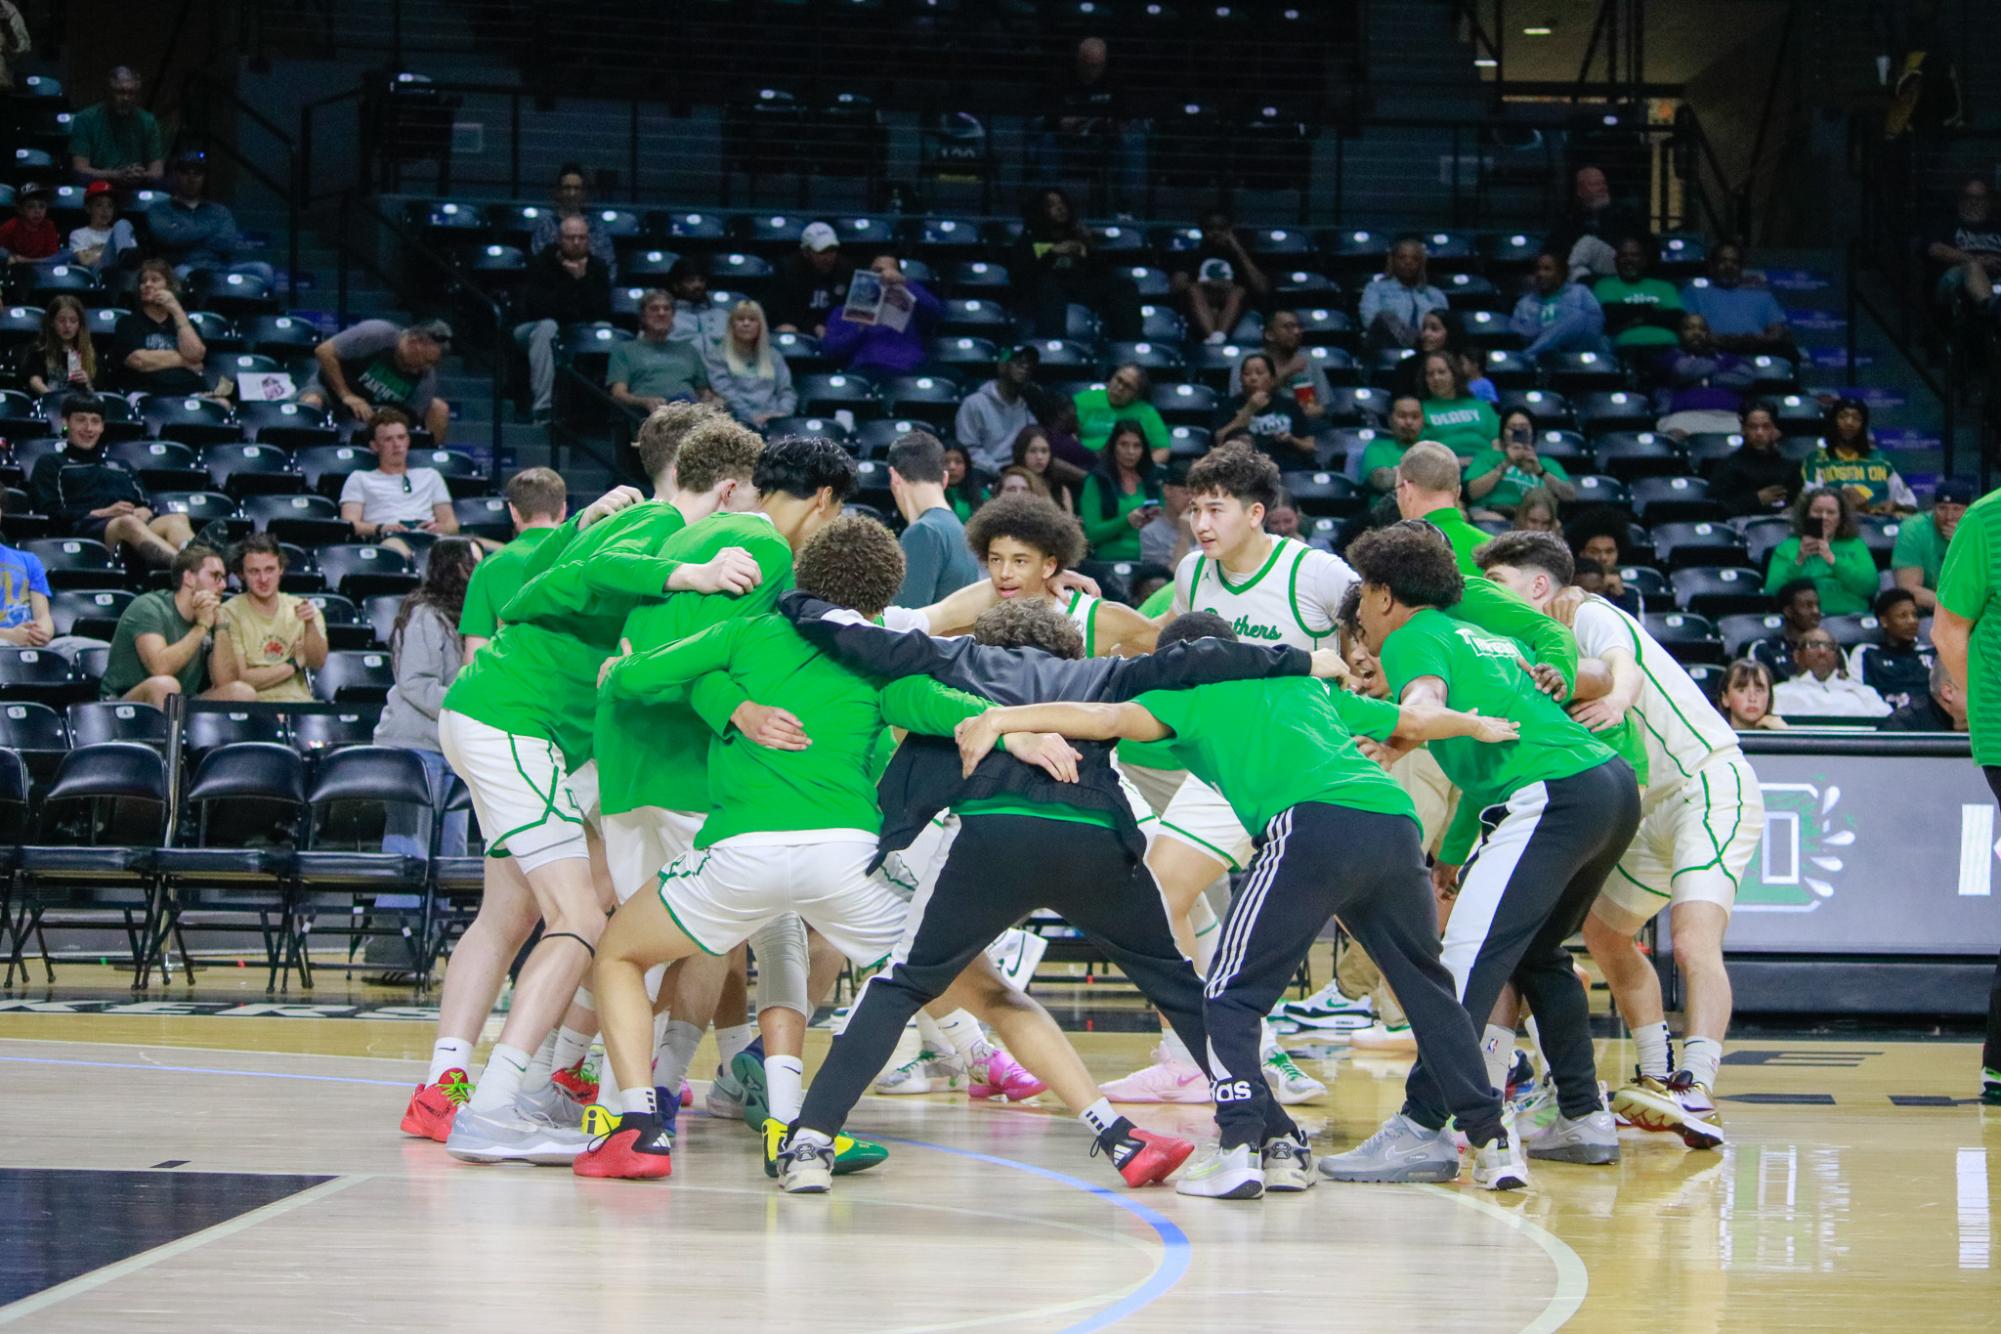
(1166, 1080)
(687, 1095)
(1004, 1078)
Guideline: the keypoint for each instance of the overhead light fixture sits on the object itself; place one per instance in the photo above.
(1486, 62)
(1539, 30)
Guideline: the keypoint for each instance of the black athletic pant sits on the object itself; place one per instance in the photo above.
(1545, 856)
(1001, 868)
(1990, 1055)
(1316, 861)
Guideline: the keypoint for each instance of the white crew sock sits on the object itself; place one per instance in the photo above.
(571, 1047)
(1656, 1048)
(660, 1022)
(1176, 1050)
(1702, 1057)
(932, 1036)
(1498, 1046)
(610, 1096)
(1099, 1116)
(540, 1066)
(448, 1054)
(500, 1083)
(730, 1043)
(785, 1086)
(1267, 1040)
(1535, 1049)
(813, 1137)
(640, 1100)
(963, 1035)
(674, 1055)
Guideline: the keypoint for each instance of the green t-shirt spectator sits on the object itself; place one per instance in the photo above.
(1112, 535)
(1466, 426)
(1385, 451)
(670, 369)
(1967, 586)
(152, 614)
(107, 140)
(1919, 545)
(495, 581)
(1847, 584)
(1096, 416)
(1515, 482)
(1616, 291)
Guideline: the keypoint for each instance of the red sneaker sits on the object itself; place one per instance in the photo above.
(639, 1148)
(433, 1106)
(687, 1094)
(1146, 1157)
(583, 1089)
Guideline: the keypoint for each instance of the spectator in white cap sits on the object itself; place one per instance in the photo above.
(1218, 280)
(811, 284)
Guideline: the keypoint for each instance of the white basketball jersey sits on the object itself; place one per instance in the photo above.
(1292, 599)
(1683, 730)
(1082, 609)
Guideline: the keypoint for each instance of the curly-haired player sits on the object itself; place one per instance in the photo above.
(1024, 542)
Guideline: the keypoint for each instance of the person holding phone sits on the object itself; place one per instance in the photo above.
(1825, 548)
(1269, 415)
(1499, 477)
(1122, 496)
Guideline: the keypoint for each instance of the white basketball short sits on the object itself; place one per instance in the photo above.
(520, 791)
(1199, 817)
(1694, 842)
(721, 894)
(1156, 787)
(640, 842)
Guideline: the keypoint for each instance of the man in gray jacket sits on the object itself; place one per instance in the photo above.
(995, 414)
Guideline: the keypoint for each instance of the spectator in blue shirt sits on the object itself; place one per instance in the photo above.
(193, 232)
(1394, 303)
(1558, 315)
(24, 600)
(1743, 319)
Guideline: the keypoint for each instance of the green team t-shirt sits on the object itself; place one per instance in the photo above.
(1919, 545)
(1385, 451)
(538, 675)
(1616, 291)
(1162, 599)
(1483, 674)
(1302, 749)
(1463, 535)
(1463, 425)
(495, 581)
(756, 790)
(656, 754)
(1968, 586)
(1515, 482)
(1872, 475)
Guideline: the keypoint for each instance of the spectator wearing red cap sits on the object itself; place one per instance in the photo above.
(105, 239)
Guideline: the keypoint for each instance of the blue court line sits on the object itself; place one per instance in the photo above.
(1173, 1264)
(1172, 1268)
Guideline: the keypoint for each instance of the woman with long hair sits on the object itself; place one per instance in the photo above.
(1270, 417)
(1443, 331)
(1016, 479)
(965, 486)
(1033, 451)
(1825, 547)
(1453, 415)
(1121, 496)
(61, 358)
(1747, 696)
(1052, 267)
(1848, 459)
(425, 654)
(754, 381)
(1538, 513)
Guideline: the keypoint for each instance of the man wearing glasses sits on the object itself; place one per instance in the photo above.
(392, 503)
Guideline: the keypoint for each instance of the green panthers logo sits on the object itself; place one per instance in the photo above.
(1799, 862)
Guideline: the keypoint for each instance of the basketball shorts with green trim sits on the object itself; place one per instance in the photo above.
(520, 791)
(1201, 818)
(1694, 842)
(720, 895)
(639, 843)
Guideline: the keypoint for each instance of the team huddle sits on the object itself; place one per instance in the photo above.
(702, 737)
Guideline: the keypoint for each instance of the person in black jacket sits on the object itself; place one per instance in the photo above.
(91, 496)
(1025, 841)
(566, 285)
(1757, 479)
(1940, 709)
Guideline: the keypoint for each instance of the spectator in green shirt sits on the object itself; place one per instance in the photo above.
(1378, 468)
(1123, 398)
(1499, 478)
(1121, 497)
(1851, 462)
(1634, 303)
(1922, 540)
(647, 371)
(117, 140)
(162, 643)
(1453, 416)
(1825, 548)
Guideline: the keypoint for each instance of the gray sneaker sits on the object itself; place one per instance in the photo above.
(1584, 1139)
(1288, 1163)
(519, 1135)
(1402, 1150)
(550, 1104)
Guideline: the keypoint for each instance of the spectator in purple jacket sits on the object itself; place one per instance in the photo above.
(877, 347)
(1700, 387)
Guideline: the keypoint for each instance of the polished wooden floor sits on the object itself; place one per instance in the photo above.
(1859, 1191)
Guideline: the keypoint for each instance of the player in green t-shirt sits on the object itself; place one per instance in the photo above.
(787, 830)
(1337, 836)
(537, 504)
(1966, 629)
(1556, 808)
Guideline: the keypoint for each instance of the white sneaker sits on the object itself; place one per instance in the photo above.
(1328, 1008)
(1290, 1084)
(1224, 1174)
(1383, 1038)
(1287, 1161)
(925, 1073)
(1498, 1164)
(1166, 1080)
(516, 1135)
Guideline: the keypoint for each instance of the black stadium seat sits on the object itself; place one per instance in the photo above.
(358, 571)
(356, 676)
(96, 721)
(1718, 592)
(90, 612)
(210, 724)
(308, 521)
(77, 562)
(193, 421)
(1740, 631)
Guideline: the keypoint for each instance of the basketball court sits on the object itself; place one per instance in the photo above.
(226, 1165)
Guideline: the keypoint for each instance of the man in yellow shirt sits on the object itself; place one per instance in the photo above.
(267, 639)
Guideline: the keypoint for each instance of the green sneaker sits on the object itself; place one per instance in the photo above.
(747, 1069)
(1990, 1087)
